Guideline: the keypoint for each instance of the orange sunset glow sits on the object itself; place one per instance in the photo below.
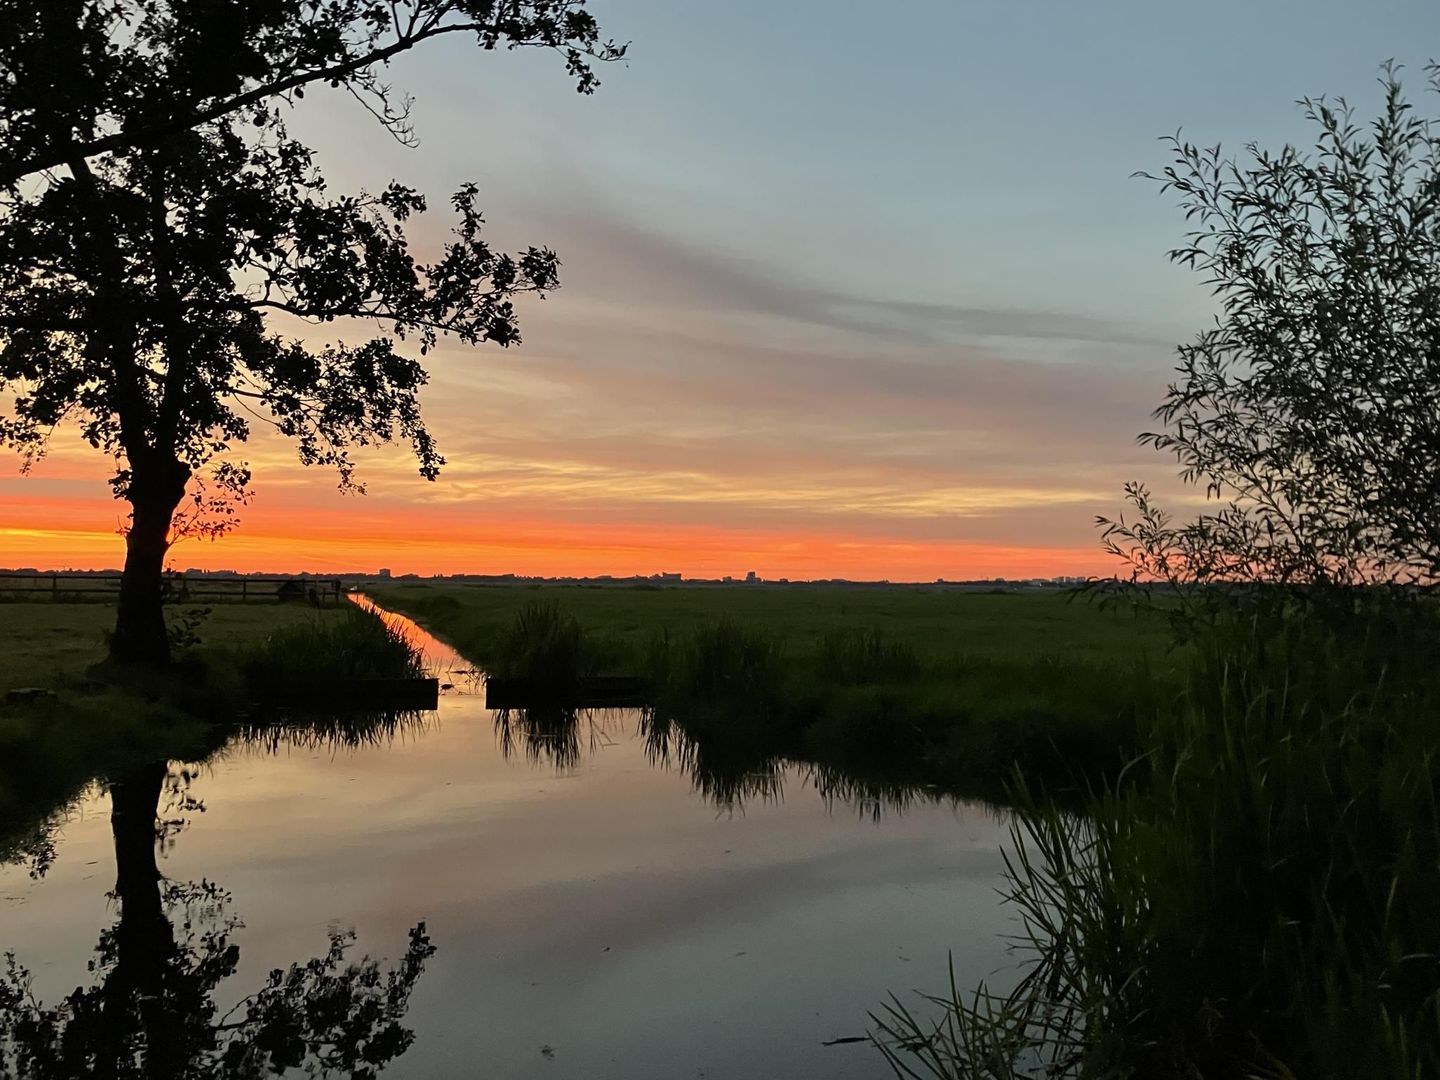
(324, 532)
(733, 376)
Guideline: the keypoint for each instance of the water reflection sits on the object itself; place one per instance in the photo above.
(554, 734)
(336, 731)
(33, 844)
(567, 910)
(728, 765)
(151, 1008)
(726, 770)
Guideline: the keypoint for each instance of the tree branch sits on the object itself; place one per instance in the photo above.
(136, 136)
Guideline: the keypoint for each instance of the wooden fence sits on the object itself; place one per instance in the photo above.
(179, 588)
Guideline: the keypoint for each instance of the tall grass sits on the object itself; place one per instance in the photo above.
(358, 645)
(547, 648)
(720, 712)
(739, 700)
(726, 663)
(1258, 897)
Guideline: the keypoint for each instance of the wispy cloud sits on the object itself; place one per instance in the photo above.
(616, 259)
(671, 393)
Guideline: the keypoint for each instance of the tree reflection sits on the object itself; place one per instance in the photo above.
(151, 1011)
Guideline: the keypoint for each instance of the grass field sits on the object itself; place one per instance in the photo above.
(898, 686)
(939, 625)
(50, 645)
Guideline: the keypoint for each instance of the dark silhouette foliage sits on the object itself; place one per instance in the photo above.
(151, 1010)
(155, 214)
(1311, 410)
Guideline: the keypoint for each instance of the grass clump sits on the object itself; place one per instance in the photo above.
(725, 663)
(1256, 899)
(545, 646)
(352, 645)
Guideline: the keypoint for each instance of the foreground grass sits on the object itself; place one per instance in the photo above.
(899, 686)
(1259, 900)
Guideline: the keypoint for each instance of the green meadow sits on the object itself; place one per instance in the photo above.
(952, 690)
(939, 624)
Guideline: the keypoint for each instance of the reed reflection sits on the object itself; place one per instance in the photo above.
(552, 734)
(727, 771)
(330, 731)
(730, 763)
(151, 1011)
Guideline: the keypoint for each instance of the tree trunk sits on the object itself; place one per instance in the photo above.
(140, 638)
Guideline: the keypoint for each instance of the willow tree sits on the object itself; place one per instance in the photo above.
(156, 216)
(1310, 411)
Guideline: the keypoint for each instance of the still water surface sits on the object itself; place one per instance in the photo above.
(603, 920)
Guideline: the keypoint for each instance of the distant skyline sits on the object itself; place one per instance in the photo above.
(842, 296)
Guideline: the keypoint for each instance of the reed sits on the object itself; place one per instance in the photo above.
(546, 647)
(1256, 898)
(355, 645)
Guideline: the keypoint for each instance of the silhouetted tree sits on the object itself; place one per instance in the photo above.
(155, 213)
(151, 1013)
(1311, 410)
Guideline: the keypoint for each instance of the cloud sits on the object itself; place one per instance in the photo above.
(671, 393)
(613, 258)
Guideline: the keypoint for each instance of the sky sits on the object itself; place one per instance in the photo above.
(853, 290)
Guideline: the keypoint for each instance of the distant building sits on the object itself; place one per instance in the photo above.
(383, 572)
(752, 578)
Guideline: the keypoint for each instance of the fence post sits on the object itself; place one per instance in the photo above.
(244, 588)
(54, 585)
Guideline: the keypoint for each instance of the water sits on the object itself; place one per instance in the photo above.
(600, 921)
